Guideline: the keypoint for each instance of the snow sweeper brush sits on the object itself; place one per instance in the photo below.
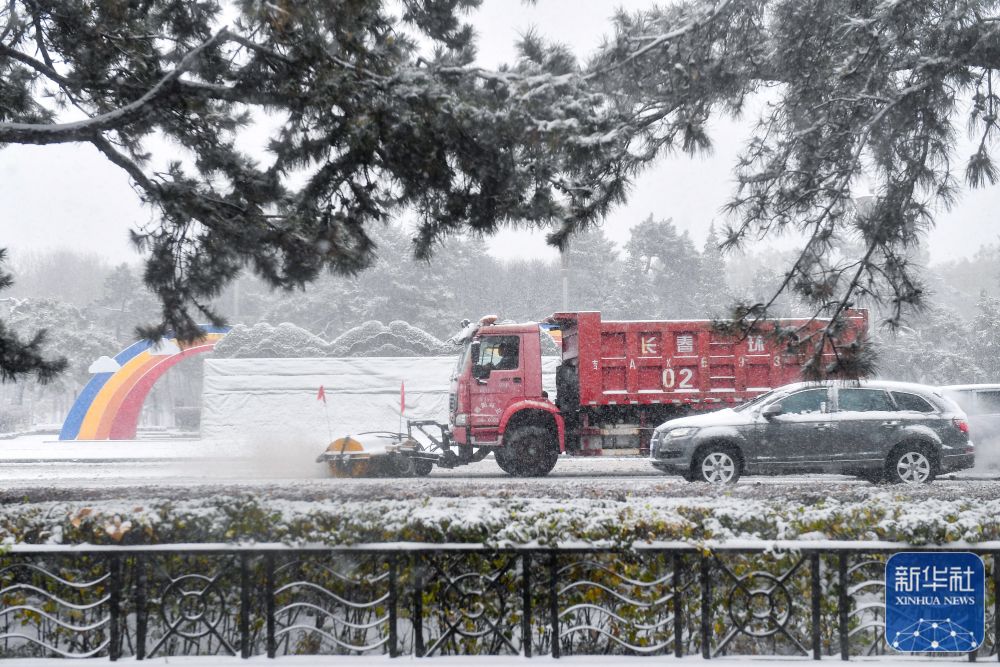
(376, 454)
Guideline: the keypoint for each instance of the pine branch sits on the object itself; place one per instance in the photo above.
(84, 130)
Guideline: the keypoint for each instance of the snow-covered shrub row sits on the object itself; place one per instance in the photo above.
(399, 339)
(264, 340)
(371, 339)
(498, 521)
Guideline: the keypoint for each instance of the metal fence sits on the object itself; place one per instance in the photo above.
(810, 599)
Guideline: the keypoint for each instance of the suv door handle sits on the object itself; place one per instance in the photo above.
(890, 423)
(516, 380)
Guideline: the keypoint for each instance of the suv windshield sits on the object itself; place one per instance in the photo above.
(756, 401)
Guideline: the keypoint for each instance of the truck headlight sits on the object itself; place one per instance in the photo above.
(681, 431)
(462, 419)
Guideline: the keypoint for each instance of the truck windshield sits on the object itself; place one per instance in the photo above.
(461, 359)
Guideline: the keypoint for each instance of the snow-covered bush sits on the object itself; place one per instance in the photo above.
(371, 339)
(877, 515)
(616, 523)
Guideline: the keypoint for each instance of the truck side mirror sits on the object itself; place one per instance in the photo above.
(772, 411)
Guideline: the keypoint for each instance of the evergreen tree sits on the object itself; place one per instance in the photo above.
(938, 352)
(854, 88)
(21, 354)
(371, 125)
(124, 302)
(663, 271)
(985, 337)
(593, 272)
(714, 293)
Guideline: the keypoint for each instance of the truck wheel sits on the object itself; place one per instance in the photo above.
(504, 460)
(422, 468)
(910, 463)
(716, 464)
(533, 452)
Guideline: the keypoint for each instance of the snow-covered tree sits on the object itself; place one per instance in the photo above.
(938, 351)
(663, 276)
(593, 271)
(849, 89)
(985, 337)
(22, 354)
(124, 302)
(372, 124)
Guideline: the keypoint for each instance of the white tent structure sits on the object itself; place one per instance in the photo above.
(275, 400)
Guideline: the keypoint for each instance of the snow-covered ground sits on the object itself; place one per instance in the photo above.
(39, 467)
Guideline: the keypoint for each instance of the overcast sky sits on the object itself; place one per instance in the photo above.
(68, 196)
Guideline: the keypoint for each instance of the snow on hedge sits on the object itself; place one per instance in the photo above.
(881, 516)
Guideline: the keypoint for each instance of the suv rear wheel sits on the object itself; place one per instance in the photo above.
(910, 464)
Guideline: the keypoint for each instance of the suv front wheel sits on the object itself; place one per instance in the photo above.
(716, 464)
(910, 464)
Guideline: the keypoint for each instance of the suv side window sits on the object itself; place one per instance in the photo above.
(863, 400)
(805, 402)
(911, 402)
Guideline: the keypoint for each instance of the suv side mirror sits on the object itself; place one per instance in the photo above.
(772, 411)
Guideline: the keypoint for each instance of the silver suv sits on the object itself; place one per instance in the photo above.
(892, 431)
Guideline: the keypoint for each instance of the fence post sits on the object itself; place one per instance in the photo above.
(676, 581)
(526, 604)
(706, 606)
(141, 615)
(272, 649)
(842, 605)
(815, 593)
(244, 606)
(554, 602)
(114, 594)
(393, 603)
(418, 606)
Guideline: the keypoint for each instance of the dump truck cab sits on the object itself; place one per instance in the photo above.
(497, 401)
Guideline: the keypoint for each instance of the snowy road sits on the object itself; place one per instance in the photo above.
(39, 469)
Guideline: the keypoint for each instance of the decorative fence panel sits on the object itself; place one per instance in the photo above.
(814, 600)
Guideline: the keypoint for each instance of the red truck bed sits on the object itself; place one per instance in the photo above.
(676, 361)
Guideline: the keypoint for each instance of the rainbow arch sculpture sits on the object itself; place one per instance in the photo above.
(109, 406)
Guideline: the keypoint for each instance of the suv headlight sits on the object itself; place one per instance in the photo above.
(681, 431)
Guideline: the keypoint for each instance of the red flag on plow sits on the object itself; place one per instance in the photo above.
(321, 394)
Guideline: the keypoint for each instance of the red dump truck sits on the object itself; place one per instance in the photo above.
(615, 382)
